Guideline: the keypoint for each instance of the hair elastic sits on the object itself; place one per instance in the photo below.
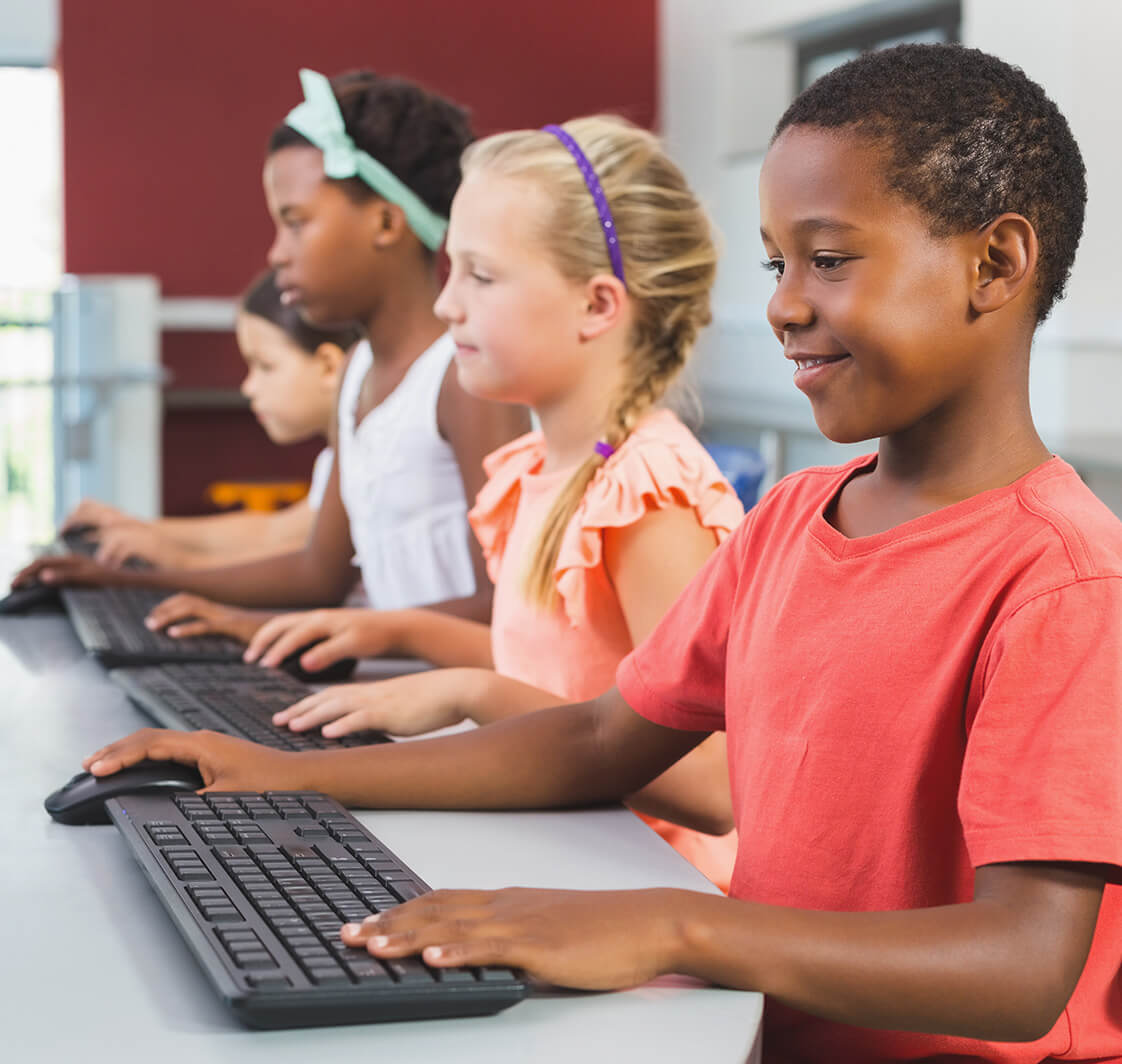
(319, 119)
(604, 449)
(607, 223)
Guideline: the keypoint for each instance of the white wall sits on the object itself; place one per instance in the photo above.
(726, 78)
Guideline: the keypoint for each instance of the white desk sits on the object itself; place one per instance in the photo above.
(93, 970)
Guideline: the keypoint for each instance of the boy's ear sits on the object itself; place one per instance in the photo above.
(1006, 264)
(605, 305)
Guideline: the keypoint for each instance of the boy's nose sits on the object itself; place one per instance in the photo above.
(788, 309)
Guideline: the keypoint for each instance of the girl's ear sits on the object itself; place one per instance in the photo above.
(606, 305)
(387, 223)
(329, 359)
(1006, 263)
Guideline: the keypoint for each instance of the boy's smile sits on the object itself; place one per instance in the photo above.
(871, 308)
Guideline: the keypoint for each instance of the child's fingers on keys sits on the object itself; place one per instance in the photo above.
(283, 716)
(303, 714)
(400, 930)
(458, 932)
(190, 628)
(329, 651)
(172, 609)
(268, 634)
(289, 641)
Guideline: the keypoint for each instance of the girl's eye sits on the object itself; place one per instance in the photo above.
(828, 262)
(773, 266)
(481, 278)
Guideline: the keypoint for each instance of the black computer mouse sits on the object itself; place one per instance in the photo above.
(82, 799)
(336, 672)
(29, 597)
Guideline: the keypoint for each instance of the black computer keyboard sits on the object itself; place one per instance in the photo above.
(238, 699)
(109, 622)
(259, 885)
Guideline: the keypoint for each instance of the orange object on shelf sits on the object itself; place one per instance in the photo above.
(256, 494)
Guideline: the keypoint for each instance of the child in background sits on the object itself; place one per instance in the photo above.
(292, 378)
(917, 656)
(358, 180)
(583, 301)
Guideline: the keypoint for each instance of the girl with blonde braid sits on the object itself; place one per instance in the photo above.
(581, 267)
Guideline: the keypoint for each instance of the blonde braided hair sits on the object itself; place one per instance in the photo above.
(669, 259)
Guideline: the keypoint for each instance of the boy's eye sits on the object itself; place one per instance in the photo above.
(773, 266)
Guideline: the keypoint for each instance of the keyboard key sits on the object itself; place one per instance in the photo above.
(269, 982)
(408, 970)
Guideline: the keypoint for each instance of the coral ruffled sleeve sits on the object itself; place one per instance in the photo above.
(496, 504)
(661, 465)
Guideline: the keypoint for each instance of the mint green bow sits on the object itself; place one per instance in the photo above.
(319, 119)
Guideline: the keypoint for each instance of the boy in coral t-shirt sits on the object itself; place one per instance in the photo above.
(917, 656)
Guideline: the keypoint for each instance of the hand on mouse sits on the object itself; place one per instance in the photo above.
(405, 705)
(337, 633)
(184, 615)
(225, 763)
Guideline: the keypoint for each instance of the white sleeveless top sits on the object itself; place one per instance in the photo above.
(401, 487)
(321, 474)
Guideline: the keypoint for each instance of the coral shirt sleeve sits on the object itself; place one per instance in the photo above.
(1041, 778)
(676, 677)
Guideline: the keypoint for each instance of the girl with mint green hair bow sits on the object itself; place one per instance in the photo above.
(359, 180)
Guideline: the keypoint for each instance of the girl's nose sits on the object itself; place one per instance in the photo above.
(447, 307)
(277, 254)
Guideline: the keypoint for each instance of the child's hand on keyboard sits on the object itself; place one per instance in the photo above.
(119, 542)
(72, 570)
(592, 940)
(337, 633)
(225, 763)
(185, 615)
(93, 514)
(405, 705)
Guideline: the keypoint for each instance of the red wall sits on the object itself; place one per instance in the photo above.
(167, 106)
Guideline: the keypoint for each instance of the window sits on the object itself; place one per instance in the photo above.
(820, 53)
(30, 268)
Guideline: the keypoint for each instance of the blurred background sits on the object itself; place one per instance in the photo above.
(131, 210)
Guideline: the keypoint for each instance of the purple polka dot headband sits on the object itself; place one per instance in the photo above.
(596, 190)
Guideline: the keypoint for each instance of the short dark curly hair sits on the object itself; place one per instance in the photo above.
(417, 135)
(967, 138)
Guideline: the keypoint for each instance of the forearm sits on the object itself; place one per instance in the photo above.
(694, 792)
(294, 580)
(543, 760)
(489, 697)
(973, 970)
(475, 607)
(218, 533)
(447, 641)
